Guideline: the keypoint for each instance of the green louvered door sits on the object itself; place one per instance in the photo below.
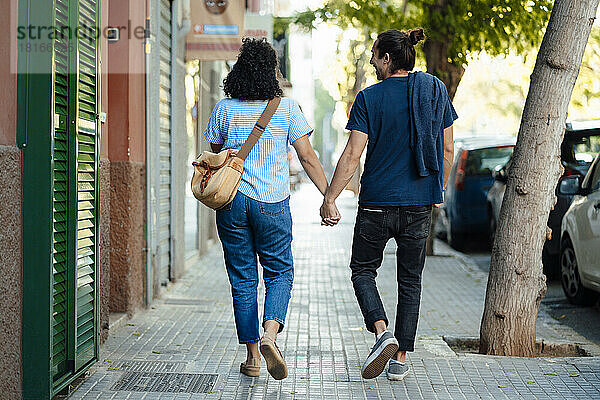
(75, 178)
(57, 130)
(87, 188)
(62, 161)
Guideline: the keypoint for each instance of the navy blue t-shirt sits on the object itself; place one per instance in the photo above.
(390, 177)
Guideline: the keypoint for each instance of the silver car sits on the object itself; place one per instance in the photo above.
(580, 237)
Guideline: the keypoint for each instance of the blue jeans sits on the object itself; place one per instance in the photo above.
(248, 228)
(409, 226)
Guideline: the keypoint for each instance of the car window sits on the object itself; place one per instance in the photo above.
(483, 161)
(580, 150)
(595, 180)
(592, 179)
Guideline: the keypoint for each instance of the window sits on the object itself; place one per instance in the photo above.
(580, 150)
(483, 162)
(592, 181)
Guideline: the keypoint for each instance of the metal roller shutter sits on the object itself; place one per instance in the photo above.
(164, 152)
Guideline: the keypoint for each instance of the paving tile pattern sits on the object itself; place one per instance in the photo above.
(191, 331)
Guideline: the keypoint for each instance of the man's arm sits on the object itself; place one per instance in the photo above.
(216, 147)
(346, 166)
(310, 162)
(448, 152)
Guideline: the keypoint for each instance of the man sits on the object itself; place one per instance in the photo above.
(406, 119)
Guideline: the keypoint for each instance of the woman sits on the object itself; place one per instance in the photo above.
(258, 221)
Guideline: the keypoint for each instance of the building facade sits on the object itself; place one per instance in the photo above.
(96, 137)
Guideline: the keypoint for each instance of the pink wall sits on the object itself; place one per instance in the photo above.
(8, 80)
(104, 79)
(126, 85)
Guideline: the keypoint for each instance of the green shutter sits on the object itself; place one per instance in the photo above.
(60, 320)
(58, 114)
(87, 187)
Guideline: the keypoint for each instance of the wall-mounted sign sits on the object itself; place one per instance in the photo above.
(217, 29)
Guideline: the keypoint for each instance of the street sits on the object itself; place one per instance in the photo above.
(583, 320)
(185, 346)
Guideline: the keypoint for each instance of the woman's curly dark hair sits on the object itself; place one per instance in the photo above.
(254, 75)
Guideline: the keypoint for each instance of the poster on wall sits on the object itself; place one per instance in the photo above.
(217, 30)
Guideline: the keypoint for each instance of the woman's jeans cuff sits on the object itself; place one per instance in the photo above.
(249, 341)
(281, 322)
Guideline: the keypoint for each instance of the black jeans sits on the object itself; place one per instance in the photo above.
(409, 226)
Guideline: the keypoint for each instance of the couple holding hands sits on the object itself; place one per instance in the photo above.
(405, 122)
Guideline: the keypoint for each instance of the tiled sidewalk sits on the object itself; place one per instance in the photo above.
(190, 332)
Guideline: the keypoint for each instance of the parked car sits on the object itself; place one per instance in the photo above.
(580, 144)
(464, 211)
(580, 237)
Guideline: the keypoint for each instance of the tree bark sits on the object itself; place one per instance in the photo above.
(436, 47)
(429, 249)
(516, 282)
(439, 64)
(436, 57)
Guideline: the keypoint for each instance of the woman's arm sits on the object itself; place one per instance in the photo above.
(310, 162)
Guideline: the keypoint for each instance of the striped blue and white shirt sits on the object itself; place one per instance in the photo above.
(266, 174)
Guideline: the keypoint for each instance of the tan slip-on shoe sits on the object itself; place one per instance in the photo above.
(251, 368)
(275, 362)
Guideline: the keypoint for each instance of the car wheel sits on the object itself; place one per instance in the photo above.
(570, 279)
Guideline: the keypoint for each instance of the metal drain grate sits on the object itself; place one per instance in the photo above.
(166, 383)
(146, 366)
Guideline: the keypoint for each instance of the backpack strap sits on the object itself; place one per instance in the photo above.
(259, 127)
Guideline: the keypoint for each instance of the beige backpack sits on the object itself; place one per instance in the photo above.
(217, 176)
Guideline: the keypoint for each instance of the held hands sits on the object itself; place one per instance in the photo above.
(330, 215)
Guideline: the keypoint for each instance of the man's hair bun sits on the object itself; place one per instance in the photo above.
(416, 35)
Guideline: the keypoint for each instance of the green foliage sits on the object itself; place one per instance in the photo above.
(494, 89)
(354, 71)
(280, 25)
(586, 94)
(324, 104)
(467, 26)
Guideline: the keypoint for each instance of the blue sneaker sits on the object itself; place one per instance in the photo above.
(397, 371)
(385, 347)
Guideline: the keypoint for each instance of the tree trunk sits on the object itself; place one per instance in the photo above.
(516, 283)
(435, 214)
(436, 57)
(436, 46)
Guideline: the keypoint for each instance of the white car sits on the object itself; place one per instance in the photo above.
(580, 237)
